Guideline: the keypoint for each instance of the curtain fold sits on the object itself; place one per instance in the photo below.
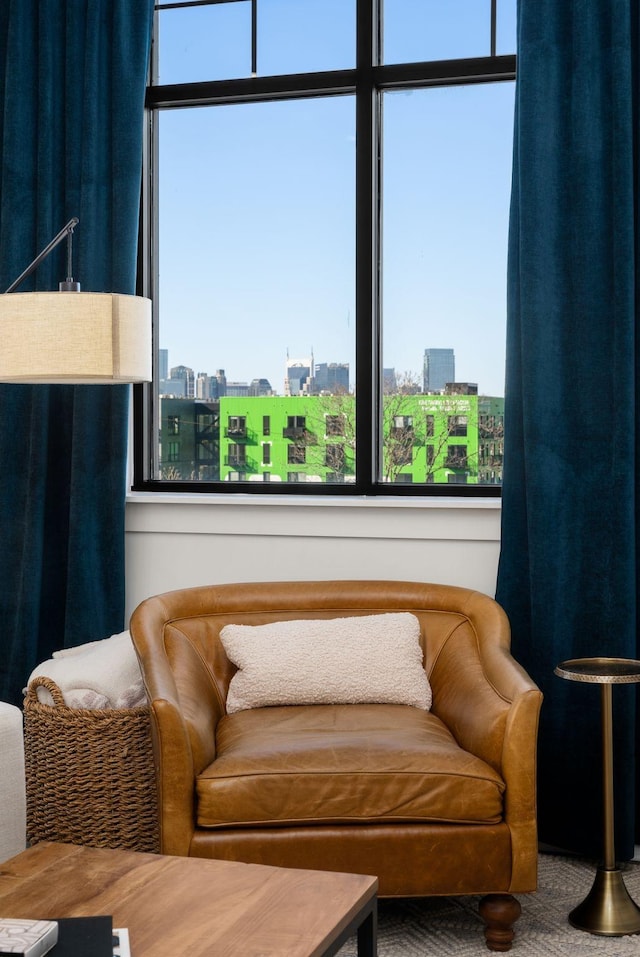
(568, 570)
(72, 85)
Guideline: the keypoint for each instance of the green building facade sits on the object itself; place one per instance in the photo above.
(490, 440)
(427, 439)
(189, 447)
(303, 438)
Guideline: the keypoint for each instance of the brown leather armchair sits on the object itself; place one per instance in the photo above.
(233, 786)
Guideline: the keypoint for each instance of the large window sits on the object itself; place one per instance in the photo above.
(325, 225)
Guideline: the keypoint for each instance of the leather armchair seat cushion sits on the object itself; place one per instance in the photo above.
(357, 763)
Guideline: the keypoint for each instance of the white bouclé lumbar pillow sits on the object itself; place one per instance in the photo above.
(354, 660)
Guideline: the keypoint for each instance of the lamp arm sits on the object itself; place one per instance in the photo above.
(65, 231)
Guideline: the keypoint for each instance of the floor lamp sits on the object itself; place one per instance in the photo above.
(73, 337)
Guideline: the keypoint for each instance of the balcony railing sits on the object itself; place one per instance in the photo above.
(239, 464)
(300, 434)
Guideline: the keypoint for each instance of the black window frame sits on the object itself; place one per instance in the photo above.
(296, 454)
(335, 456)
(237, 456)
(173, 453)
(334, 424)
(367, 82)
(237, 426)
(457, 426)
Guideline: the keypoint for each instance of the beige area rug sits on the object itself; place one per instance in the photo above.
(451, 927)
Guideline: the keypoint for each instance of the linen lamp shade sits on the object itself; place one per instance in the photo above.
(74, 338)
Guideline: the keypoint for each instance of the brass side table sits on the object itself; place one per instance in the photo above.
(608, 907)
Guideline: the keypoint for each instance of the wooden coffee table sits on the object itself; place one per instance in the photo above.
(181, 905)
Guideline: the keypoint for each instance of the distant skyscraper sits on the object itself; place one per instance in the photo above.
(206, 386)
(389, 382)
(184, 372)
(163, 364)
(260, 387)
(222, 382)
(237, 389)
(439, 368)
(173, 387)
(332, 377)
(298, 376)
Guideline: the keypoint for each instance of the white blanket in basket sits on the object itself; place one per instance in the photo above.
(100, 674)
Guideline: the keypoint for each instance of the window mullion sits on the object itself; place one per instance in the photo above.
(367, 272)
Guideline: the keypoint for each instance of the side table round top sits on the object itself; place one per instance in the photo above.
(600, 670)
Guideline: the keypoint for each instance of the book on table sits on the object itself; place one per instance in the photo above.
(84, 937)
(27, 938)
(121, 947)
(64, 937)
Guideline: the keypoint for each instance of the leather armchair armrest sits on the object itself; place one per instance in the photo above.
(477, 683)
(492, 706)
(184, 713)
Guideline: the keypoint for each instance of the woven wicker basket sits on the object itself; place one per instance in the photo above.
(89, 773)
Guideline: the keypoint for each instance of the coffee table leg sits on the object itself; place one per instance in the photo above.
(368, 935)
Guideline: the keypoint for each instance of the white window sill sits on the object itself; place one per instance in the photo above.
(379, 517)
(236, 499)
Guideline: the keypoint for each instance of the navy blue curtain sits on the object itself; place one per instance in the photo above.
(72, 81)
(568, 572)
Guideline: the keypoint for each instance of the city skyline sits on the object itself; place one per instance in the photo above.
(278, 387)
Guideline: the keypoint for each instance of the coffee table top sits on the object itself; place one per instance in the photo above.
(176, 905)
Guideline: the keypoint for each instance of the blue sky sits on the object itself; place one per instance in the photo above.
(257, 201)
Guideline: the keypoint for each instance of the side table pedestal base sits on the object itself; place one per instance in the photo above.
(608, 908)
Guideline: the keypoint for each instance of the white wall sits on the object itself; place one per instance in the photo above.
(175, 541)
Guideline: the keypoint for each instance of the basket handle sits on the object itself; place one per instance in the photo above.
(41, 681)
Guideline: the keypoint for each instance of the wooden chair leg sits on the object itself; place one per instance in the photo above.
(499, 913)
